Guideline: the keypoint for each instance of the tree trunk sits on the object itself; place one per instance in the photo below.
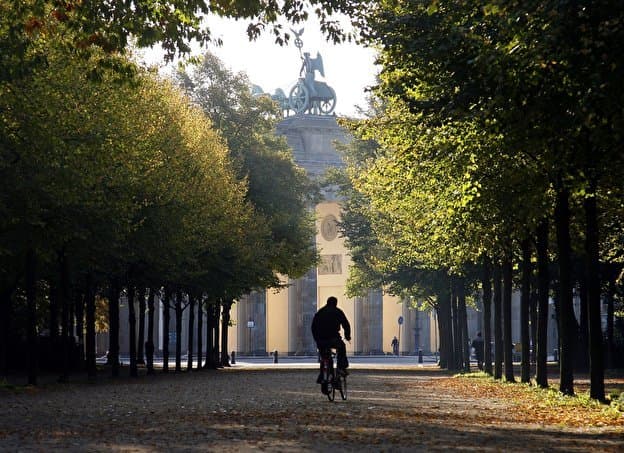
(507, 341)
(543, 283)
(610, 322)
(31, 303)
(79, 314)
(65, 302)
(113, 323)
(498, 317)
(200, 327)
(210, 322)
(525, 341)
(5, 326)
(191, 330)
(71, 318)
(225, 322)
(596, 364)
(582, 350)
(533, 319)
(457, 346)
(567, 322)
(178, 326)
(141, 319)
(149, 342)
(166, 321)
(54, 316)
(216, 357)
(463, 324)
(90, 328)
(443, 357)
(132, 330)
(445, 318)
(486, 284)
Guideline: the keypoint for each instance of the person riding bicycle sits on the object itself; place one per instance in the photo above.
(326, 331)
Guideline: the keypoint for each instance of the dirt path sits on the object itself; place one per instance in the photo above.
(277, 410)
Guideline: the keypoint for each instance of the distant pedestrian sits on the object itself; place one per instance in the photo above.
(395, 346)
(478, 345)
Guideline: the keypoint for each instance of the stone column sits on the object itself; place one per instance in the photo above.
(302, 305)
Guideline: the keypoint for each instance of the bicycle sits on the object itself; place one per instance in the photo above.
(330, 379)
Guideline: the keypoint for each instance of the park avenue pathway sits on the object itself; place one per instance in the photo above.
(278, 409)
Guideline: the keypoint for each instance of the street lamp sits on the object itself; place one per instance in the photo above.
(250, 325)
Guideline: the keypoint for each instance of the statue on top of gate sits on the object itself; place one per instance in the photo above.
(310, 95)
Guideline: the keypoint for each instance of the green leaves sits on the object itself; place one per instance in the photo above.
(278, 192)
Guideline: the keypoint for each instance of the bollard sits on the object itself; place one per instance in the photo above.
(233, 361)
(420, 357)
(275, 356)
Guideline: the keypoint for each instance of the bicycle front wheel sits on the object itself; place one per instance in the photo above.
(343, 386)
(331, 391)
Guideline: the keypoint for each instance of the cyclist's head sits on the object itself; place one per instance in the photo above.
(331, 300)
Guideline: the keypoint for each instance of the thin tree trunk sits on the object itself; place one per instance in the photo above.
(149, 343)
(31, 303)
(225, 322)
(610, 322)
(507, 341)
(90, 328)
(210, 322)
(533, 319)
(582, 349)
(596, 364)
(486, 284)
(457, 346)
(132, 329)
(200, 327)
(191, 330)
(463, 324)
(567, 322)
(5, 326)
(525, 340)
(64, 302)
(443, 357)
(216, 336)
(53, 325)
(543, 281)
(141, 319)
(71, 321)
(79, 314)
(498, 317)
(113, 322)
(178, 326)
(166, 321)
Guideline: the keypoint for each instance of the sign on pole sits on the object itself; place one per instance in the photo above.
(400, 322)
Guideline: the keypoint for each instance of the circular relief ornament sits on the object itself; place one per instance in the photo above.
(329, 227)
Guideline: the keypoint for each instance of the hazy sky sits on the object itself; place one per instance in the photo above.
(349, 68)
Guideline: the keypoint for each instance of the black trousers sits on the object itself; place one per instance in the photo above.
(339, 346)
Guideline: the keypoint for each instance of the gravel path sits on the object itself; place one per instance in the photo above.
(275, 410)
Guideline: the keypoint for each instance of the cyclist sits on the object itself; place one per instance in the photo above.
(326, 332)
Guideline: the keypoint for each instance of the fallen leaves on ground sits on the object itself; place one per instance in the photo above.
(534, 405)
(283, 410)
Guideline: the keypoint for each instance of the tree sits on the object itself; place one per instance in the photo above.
(279, 191)
(517, 74)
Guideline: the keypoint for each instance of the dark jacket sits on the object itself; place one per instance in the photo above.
(326, 324)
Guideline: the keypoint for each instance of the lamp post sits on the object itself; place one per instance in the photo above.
(250, 325)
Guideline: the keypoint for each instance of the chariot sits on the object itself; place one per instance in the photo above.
(312, 96)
